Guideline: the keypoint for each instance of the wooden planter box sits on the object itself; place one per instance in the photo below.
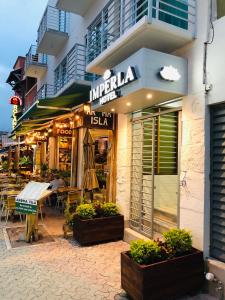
(92, 231)
(164, 280)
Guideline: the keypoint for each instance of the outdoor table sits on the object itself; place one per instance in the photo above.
(9, 185)
(67, 189)
(9, 193)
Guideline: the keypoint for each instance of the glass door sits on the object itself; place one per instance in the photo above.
(166, 177)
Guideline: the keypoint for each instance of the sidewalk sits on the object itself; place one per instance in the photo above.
(62, 270)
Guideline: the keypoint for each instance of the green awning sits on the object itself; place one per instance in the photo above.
(51, 107)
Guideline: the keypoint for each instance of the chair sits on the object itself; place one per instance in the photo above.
(74, 197)
(10, 207)
(61, 198)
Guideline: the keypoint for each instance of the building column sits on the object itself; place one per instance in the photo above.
(53, 148)
(74, 158)
(124, 137)
(192, 168)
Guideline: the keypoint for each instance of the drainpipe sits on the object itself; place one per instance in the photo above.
(210, 39)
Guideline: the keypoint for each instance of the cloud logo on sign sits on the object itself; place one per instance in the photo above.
(107, 74)
(170, 73)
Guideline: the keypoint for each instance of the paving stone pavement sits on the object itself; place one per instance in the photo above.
(62, 270)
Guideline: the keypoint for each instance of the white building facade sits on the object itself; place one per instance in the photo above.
(163, 126)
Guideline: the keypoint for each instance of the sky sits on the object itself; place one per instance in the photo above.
(19, 21)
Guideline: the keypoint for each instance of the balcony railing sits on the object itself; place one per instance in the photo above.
(72, 68)
(33, 57)
(119, 16)
(53, 19)
(45, 92)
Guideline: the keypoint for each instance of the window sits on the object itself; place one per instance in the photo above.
(174, 12)
(220, 8)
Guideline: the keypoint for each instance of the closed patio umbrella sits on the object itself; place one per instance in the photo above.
(90, 180)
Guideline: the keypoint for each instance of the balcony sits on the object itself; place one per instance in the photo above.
(77, 6)
(45, 92)
(121, 30)
(70, 76)
(36, 63)
(53, 31)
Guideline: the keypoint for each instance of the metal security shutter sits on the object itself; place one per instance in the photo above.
(218, 182)
(141, 206)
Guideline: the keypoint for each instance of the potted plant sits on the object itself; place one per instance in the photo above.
(44, 170)
(95, 223)
(25, 163)
(154, 270)
(69, 217)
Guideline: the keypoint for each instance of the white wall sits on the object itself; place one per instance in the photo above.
(123, 164)
(192, 204)
(216, 64)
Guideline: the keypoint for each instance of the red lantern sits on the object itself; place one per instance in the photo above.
(15, 100)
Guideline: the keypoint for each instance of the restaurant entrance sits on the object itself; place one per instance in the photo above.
(155, 170)
(103, 150)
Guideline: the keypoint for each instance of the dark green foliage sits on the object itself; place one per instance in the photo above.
(178, 241)
(109, 209)
(85, 211)
(145, 252)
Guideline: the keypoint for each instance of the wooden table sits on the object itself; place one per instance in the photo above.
(67, 189)
(9, 193)
(9, 185)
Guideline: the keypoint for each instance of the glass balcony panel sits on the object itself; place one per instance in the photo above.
(118, 16)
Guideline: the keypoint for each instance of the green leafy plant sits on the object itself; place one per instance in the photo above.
(145, 252)
(110, 209)
(25, 161)
(5, 166)
(85, 211)
(69, 213)
(44, 167)
(178, 241)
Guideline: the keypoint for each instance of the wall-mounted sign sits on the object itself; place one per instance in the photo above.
(15, 100)
(110, 89)
(99, 120)
(170, 73)
(62, 130)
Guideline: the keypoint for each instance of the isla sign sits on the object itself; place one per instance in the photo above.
(109, 89)
(100, 120)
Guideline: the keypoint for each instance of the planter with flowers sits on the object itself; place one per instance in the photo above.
(97, 223)
(154, 270)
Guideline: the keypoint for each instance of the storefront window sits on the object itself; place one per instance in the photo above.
(65, 150)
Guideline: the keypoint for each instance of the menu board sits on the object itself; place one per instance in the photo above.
(26, 201)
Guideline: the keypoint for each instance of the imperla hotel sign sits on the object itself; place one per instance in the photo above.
(110, 89)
